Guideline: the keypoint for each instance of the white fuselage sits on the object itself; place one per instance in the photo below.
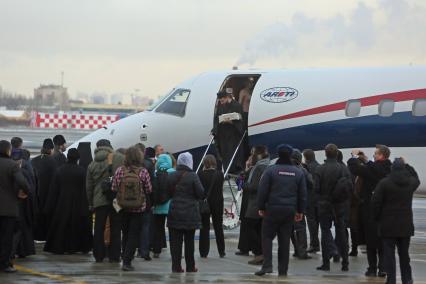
(305, 108)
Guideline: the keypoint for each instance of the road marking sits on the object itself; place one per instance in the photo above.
(48, 275)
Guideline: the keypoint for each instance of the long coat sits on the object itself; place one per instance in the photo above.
(44, 167)
(24, 237)
(69, 231)
(371, 173)
(186, 192)
(228, 135)
(392, 202)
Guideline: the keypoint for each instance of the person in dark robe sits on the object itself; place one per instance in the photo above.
(23, 241)
(228, 133)
(59, 149)
(69, 230)
(244, 240)
(44, 167)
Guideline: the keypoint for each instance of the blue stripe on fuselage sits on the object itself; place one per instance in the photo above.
(400, 130)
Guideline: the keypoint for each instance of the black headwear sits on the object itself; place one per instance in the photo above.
(48, 144)
(59, 140)
(222, 94)
(73, 156)
(149, 153)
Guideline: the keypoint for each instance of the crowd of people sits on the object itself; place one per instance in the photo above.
(134, 194)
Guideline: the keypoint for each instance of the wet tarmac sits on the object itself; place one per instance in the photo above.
(47, 268)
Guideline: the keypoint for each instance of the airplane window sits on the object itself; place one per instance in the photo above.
(353, 108)
(386, 108)
(419, 107)
(175, 104)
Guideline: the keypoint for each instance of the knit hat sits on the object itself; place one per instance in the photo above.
(185, 159)
(48, 144)
(59, 140)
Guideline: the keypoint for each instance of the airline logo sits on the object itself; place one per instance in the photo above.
(279, 94)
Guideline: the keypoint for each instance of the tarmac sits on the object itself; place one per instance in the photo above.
(48, 268)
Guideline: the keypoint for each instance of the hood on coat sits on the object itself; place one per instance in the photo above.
(164, 162)
(101, 153)
(400, 177)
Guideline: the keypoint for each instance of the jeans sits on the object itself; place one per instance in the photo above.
(328, 214)
(313, 226)
(144, 243)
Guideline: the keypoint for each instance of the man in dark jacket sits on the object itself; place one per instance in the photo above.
(228, 133)
(44, 168)
(299, 237)
(281, 201)
(328, 177)
(393, 209)
(312, 218)
(104, 165)
(371, 173)
(58, 152)
(254, 221)
(11, 182)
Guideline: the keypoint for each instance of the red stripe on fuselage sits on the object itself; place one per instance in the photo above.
(367, 101)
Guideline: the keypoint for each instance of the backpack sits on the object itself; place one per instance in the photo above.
(161, 192)
(343, 189)
(131, 194)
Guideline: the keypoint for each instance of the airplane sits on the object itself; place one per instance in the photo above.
(306, 108)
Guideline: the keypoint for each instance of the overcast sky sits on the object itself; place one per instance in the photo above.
(121, 45)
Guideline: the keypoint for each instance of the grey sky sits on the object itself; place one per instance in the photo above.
(121, 45)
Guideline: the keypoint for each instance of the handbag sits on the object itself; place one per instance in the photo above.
(204, 204)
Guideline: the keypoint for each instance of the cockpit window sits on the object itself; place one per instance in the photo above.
(175, 104)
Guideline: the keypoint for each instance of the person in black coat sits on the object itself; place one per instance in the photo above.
(44, 168)
(330, 210)
(23, 243)
(371, 173)
(312, 217)
(229, 133)
(184, 213)
(70, 230)
(12, 183)
(58, 151)
(254, 221)
(393, 209)
(212, 181)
